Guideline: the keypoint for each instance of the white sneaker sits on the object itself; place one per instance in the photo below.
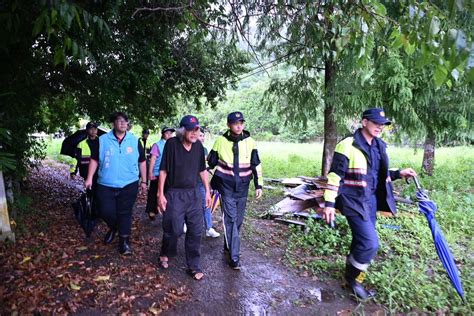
(185, 228)
(212, 233)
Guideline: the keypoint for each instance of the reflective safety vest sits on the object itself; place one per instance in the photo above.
(83, 157)
(236, 161)
(347, 187)
(146, 146)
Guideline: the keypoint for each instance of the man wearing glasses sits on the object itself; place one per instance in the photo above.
(120, 159)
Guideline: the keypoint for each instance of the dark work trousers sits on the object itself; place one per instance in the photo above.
(116, 206)
(183, 206)
(233, 212)
(365, 242)
(151, 201)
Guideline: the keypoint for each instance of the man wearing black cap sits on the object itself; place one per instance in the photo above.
(359, 184)
(179, 198)
(154, 171)
(236, 160)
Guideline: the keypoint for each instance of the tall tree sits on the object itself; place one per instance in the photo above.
(319, 37)
(61, 60)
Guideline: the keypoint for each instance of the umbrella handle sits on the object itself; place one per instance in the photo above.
(417, 183)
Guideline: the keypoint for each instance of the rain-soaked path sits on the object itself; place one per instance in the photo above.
(264, 285)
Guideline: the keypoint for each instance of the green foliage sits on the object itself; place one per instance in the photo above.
(406, 273)
(63, 60)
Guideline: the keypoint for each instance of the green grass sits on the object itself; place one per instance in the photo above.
(407, 273)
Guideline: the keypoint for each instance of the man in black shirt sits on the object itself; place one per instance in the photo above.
(179, 198)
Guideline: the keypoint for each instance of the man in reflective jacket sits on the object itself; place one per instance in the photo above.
(236, 160)
(359, 184)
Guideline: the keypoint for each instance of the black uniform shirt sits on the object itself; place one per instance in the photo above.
(182, 166)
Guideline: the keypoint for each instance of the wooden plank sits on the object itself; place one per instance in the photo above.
(5, 230)
(290, 205)
(292, 182)
(290, 222)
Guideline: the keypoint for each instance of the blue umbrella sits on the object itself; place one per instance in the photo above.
(428, 208)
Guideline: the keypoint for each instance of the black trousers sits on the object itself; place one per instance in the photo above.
(116, 205)
(184, 206)
(151, 200)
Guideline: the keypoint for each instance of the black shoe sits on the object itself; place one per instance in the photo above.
(124, 246)
(354, 278)
(234, 265)
(110, 236)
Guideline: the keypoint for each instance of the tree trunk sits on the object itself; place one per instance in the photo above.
(330, 129)
(429, 153)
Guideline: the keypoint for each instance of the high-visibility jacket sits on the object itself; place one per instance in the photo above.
(83, 157)
(348, 189)
(146, 147)
(236, 161)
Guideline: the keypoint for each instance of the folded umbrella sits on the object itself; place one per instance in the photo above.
(428, 208)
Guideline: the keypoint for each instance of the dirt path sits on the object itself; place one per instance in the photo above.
(54, 269)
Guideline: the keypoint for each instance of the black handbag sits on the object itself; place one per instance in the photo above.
(84, 212)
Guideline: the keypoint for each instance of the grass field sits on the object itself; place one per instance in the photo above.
(407, 274)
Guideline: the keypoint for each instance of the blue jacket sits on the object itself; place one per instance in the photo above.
(161, 146)
(118, 163)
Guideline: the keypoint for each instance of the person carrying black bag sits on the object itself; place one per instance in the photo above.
(120, 159)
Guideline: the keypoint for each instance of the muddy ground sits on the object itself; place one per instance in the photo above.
(65, 272)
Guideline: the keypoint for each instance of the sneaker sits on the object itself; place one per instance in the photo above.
(234, 265)
(185, 228)
(212, 233)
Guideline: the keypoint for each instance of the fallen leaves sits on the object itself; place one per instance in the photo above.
(54, 269)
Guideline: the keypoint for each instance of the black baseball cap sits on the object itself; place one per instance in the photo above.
(376, 115)
(235, 117)
(189, 122)
(91, 125)
(167, 129)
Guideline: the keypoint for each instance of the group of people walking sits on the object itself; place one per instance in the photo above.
(359, 184)
(175, 173)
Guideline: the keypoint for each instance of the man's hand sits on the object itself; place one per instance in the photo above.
(143, 187)
(88, 183)
(258, 193)
(162, 204)
(407, 173)
(208, 199)
(329, 214)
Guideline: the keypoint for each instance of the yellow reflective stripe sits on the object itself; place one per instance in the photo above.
(332, 188)
(85, 149)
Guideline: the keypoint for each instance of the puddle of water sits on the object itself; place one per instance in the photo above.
(253, 309)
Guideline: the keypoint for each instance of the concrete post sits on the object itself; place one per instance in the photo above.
(5, 230)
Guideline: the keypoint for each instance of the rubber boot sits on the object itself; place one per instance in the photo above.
(124, 246)
(110, 236)
(354, 278)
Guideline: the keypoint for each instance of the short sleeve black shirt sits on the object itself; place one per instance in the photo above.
(182, 166)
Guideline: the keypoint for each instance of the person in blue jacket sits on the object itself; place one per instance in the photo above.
(359, 184)
(121, 160)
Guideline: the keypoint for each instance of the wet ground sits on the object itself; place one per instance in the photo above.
(95, 280)
(264, 285)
